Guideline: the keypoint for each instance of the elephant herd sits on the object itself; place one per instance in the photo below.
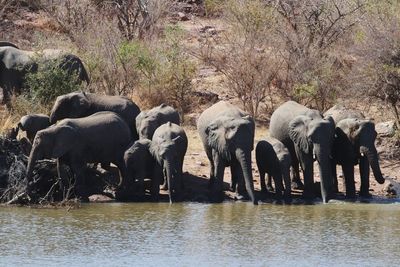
(90, 128)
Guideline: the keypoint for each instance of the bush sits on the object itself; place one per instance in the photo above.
(50, 81)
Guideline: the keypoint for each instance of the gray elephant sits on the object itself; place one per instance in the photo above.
(16, 63)
(273, 158)
(33, 123)
(227, 134)
(141, 164)
(354, 144)
(306, 134)
(168, 147)
(6, 43)
(76, 142)
(81, 104)
(149, 120)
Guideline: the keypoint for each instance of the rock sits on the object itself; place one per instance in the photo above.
(386, 129)
(183, 17)
(391, 187)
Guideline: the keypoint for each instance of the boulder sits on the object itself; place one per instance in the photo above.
(386, 129)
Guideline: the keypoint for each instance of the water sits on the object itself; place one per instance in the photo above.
(229, 234)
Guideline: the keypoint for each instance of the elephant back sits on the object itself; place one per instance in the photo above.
(340, 112)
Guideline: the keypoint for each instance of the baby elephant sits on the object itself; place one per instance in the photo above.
(273, 158)
(32, 124)
(140, 164)
(168, 147)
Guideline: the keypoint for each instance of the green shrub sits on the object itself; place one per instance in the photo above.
(50, 81)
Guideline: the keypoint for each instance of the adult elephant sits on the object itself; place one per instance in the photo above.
(227, 134)
(149, 120)
(16, 63)
(306, 134)
(354, 144)
(168, 147)
(81, 104)
(76, 142)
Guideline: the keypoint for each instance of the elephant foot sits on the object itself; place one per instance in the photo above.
(298, 185)
(365, 195)
(216, 197)
(270, 188)
(351, 195)
(308, 194)
(211, 183)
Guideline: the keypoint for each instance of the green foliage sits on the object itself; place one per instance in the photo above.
(49, 82)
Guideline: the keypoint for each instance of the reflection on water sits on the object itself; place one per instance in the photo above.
(238, 234)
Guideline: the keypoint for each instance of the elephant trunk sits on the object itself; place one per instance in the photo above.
(373, 160)
(168, 173)
(244, 159)
(324, 164)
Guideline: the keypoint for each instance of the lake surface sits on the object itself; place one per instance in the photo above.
(228, 234)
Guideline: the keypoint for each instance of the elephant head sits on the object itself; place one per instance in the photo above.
(362, 135)
(233, 138)
(72, 105)
(147, 125)
(313, 137)
(165, 151)
(53, 142)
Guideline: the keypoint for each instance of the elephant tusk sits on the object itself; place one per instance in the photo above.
(362, 154)
(314, 157)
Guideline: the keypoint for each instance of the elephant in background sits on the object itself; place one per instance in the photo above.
(75, 142)
(81, 104)
(16, 63)
(32, 123)
(141, 164)
(227, 134)
(149, 120)
(306, 134)
(168, 147)
(354, 144)
(273, 158)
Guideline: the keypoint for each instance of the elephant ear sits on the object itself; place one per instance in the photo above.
(64, 139)
(298, 132)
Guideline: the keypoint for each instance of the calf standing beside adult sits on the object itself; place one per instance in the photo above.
(227, 134)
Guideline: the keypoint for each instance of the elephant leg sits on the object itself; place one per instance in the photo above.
(217, 188)
(80, 187)
(334, 178)
(212, 169)
(262, 181)
(234, 178)
(278, 185)
(288, 185)
(364, 177)
(307, 165)
(240, 190)
(296, 181)
(348, 173)
(155, 182)
(270, 188)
